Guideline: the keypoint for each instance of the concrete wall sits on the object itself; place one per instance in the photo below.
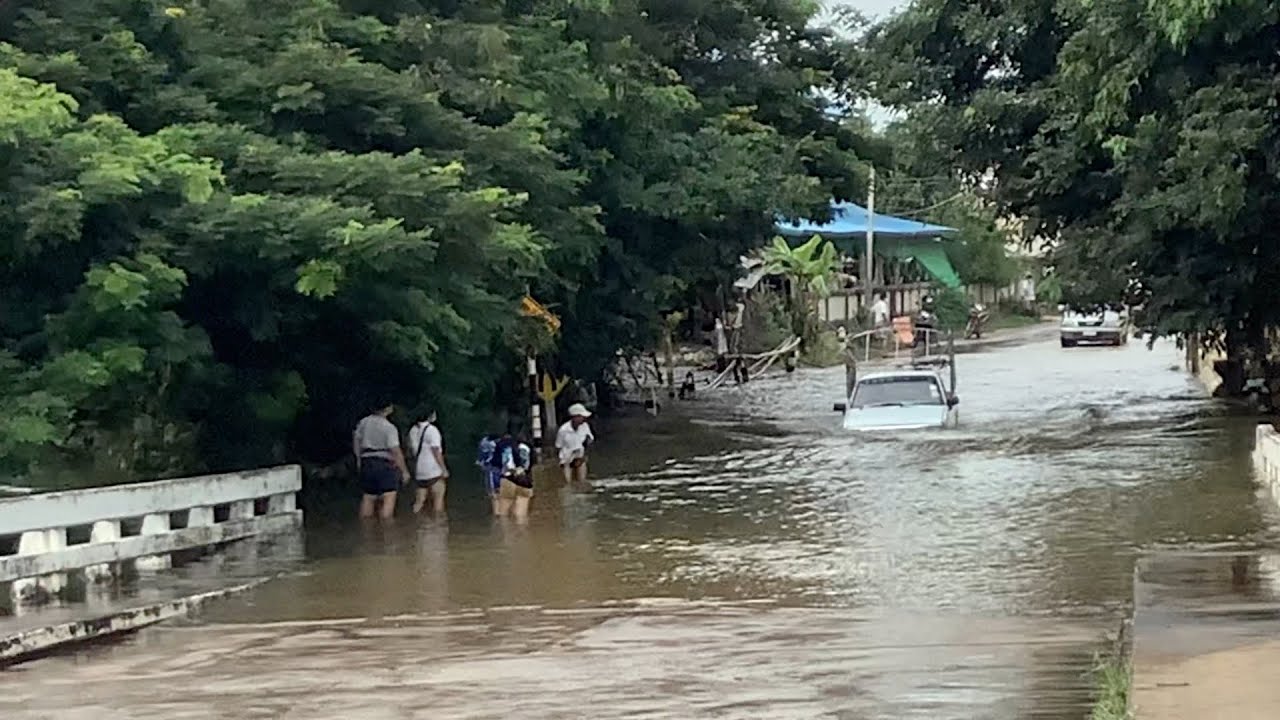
(1201, 366)
(140, 523)
(1266, 458)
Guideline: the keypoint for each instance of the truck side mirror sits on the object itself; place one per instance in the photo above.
(840, 407)
(952, 401)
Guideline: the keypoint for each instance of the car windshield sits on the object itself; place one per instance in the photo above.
(1106, 315)
(881, 392)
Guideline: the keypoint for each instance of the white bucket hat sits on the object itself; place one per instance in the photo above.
(579, 410)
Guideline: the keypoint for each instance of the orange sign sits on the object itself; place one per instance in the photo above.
(532, 308)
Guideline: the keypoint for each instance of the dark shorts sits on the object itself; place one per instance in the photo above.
(378, 476)
(425, 484)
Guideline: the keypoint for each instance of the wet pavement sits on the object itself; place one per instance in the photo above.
(1204, 642)
(737, 557)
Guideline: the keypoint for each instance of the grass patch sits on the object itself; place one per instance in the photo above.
(1112, 678)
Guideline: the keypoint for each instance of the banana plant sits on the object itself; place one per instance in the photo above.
(812, 265)
(811, 271)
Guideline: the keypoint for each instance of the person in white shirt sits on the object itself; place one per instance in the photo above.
(880, 312)
(429, 469)
(722, 345)
(572, 441)
(736, 323)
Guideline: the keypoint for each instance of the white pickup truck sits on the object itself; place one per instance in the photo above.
(1096, 327)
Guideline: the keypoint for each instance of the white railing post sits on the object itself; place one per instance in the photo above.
(245, 550)
(200, 516)
(55, 540)
(99, 592)
(28, 590)
(155, 524)
(104, 531)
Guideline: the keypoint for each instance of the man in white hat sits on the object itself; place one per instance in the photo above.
(572, 441)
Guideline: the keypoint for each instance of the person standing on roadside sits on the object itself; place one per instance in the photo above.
(722, 345)
(572, 441)
(880, 312)
(737, 322)
(849, 353)
(429, 469)
(379, 461)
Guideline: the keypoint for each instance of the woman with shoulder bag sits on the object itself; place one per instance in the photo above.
(429, 469)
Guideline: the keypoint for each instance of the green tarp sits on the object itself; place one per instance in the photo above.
(897, 238)
(929, 253)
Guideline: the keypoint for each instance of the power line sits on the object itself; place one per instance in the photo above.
(918, 180)
(927, 208)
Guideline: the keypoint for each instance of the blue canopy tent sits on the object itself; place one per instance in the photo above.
(894, 237)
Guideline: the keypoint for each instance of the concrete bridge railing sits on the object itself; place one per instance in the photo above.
(45, 537)
(1266, 458)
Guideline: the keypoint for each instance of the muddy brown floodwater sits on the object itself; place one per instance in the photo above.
(739, 557)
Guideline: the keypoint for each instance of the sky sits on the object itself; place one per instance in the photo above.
(871, 8)
(875, 10)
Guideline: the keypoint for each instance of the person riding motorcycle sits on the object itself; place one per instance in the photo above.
(978, 317)
(925, 321)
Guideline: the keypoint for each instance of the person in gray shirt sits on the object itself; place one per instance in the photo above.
(379, 461)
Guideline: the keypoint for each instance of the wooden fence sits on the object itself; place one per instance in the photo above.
(845, 306)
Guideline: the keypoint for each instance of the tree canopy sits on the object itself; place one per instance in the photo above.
(223, 229)
(1137, 139)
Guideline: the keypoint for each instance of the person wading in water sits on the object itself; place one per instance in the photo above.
(429, 468)
(850, 356)
(516, 488)
(490, 464)
(379, 461)
(572, 440)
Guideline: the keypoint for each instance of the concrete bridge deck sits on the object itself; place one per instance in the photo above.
(142, 600)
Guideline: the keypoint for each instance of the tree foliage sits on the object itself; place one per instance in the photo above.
(921, 182)
(1137, 139)
(223, 228)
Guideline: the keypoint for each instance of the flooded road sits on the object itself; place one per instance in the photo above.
(738, 558)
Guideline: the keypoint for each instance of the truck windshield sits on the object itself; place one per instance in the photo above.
(880, 392)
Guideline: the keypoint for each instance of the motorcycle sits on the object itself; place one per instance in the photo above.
(925, 323)
(978, 317)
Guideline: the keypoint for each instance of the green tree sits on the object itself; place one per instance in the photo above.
(231, 227)
(920, 181)
(1138, 140)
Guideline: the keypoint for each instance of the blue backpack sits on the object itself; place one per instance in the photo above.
(485, 453)
(520, 455)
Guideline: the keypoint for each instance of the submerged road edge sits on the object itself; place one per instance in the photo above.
(1201, 656)
(29, 644)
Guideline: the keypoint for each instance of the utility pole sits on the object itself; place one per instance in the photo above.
(535, 414)
(868, 263)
